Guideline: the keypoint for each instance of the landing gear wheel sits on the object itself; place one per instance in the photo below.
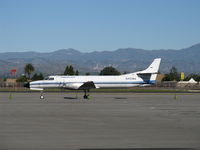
(41, 96)
(85, 96)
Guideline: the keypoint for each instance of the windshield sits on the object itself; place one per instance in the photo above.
(49, 78)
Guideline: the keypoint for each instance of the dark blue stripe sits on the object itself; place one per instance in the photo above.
(136, 82)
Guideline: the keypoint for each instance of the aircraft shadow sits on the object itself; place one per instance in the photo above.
(120, 98)
(70, 98)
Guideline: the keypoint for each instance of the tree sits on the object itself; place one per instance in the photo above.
(22, 78)
(87, 73)
(69, 70)
(41, 77)
(196, 77)
(109, 71)
(66, 70)
(28, 69)
(77, 73)
(37, 77)
(173, 75)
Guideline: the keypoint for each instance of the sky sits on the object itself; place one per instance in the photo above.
(98, 25)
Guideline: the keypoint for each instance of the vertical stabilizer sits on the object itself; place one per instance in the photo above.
(153, 68)
(149, 75)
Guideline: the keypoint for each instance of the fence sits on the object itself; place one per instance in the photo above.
(177, 85)
(11, 85)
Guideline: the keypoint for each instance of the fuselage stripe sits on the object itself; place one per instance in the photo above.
(139, 82)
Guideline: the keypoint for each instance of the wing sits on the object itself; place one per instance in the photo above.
(80, 86)
(87, 85)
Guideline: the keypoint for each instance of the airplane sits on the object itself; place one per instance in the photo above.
(145, 77)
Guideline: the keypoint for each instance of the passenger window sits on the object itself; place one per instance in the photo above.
(51, 79)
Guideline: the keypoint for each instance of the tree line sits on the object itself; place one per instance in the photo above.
(173, 74)
(69, 70)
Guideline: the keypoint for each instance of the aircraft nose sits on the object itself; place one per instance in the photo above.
(27, 85)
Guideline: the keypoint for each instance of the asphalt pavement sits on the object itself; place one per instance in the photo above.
(106, 121)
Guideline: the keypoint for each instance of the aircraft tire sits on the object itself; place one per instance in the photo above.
(85, 97)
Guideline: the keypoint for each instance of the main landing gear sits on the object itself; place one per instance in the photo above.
(86, 95)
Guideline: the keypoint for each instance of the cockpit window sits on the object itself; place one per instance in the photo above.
(49, 78)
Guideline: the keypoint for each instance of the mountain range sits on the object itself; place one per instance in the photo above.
(125, 60)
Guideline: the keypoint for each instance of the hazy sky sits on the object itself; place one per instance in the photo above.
(97, 25)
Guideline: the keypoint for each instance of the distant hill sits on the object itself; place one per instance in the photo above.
(127, 59)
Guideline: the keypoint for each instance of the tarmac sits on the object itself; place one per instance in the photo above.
(64, 121)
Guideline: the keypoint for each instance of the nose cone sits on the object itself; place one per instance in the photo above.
(27, 85)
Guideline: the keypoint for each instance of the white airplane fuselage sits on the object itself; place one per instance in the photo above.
(74, 82)
(141, 78)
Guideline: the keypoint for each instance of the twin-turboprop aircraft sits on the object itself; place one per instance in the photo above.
(85, 83)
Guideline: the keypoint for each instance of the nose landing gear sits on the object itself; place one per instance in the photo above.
(41, 96)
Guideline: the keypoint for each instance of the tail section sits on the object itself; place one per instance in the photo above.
(149, 75)
(153, 68)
